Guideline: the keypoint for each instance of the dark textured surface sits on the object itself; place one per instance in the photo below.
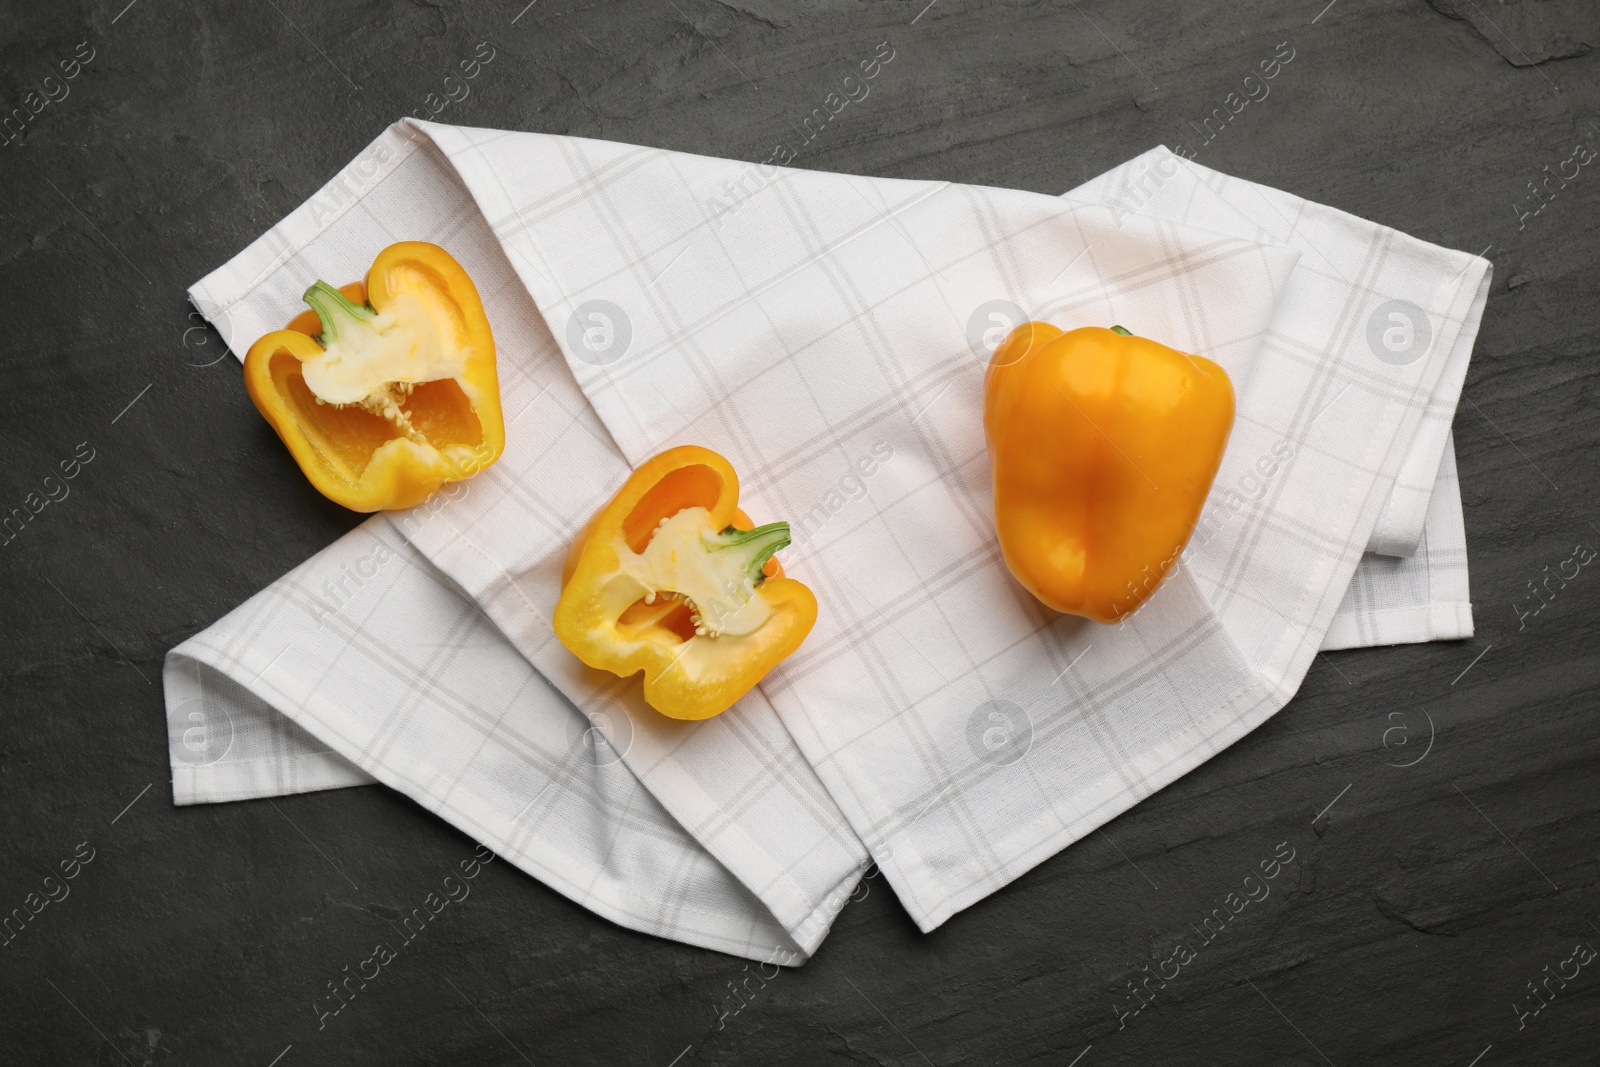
(1417, 909)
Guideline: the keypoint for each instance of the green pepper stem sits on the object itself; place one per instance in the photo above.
(334, 309)
(1123, 332)
(763, 542)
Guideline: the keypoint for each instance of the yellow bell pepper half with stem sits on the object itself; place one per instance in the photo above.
(671, 579)
(1102, 447)
(385, 391)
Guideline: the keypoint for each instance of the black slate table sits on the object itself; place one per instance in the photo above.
(1428, 896)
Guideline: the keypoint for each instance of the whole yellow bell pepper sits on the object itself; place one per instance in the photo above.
(1103, 447)
(670, 579)
(385, 391)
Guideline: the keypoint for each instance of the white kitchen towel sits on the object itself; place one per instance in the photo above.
(867, 282)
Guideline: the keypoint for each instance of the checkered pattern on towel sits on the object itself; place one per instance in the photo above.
(826, 333)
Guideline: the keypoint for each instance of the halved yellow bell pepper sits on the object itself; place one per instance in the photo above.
(385, 391)
(1103, 447)
(670, 579)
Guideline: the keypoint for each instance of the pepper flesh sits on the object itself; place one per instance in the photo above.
(669, 578)
(1102, 447)
(386, 390)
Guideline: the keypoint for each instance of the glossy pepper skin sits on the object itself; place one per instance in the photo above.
(1102, 447)
(670, 579)
(411, 363)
